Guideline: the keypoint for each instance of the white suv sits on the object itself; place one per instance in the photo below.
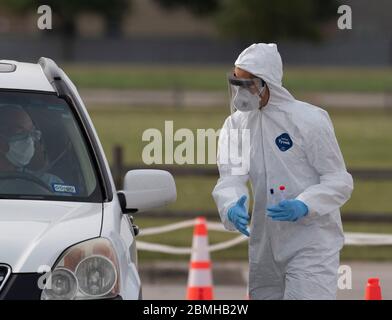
(65, 232)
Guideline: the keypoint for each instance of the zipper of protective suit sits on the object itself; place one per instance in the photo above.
(264, 163)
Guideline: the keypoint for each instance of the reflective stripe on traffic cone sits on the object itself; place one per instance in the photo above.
(200, 276)
(373, 290)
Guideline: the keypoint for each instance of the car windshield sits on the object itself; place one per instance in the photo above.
(43, 152)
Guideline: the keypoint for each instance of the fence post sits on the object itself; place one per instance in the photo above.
(118, 165)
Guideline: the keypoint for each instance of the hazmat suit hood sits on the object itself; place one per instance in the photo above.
(263, 60)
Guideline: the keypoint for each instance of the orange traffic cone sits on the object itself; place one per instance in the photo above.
(373, 290)
(200, 276)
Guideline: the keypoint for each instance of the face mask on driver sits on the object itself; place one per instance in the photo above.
(21, 152)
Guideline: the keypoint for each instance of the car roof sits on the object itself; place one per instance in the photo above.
(24, 76)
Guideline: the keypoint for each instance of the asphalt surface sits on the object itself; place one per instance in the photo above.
(168, 281)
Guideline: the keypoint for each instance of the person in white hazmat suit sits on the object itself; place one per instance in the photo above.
(294, 242)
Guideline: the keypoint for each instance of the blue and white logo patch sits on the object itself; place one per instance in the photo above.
(62, 188)
(284, 142)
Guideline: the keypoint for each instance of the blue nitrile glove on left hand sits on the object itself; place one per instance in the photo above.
(239, 216)
(288, 210)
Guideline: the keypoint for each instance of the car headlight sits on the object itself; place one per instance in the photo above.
(88, 270)
(97, 276)
(64, 285)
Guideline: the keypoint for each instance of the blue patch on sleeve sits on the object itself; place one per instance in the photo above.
(284, 142)
(62, 188)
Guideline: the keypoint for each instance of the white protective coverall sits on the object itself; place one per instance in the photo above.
(287, 260)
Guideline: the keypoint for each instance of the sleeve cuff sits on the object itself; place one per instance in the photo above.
(225, 219)
(311, 211)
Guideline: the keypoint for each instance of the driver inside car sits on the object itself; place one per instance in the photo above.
(20, 142)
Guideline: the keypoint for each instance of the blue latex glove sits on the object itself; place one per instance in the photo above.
(238, 215)
(288, 210)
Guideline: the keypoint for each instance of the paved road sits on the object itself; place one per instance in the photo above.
(108, 97)
(178, 292)
(161, 285)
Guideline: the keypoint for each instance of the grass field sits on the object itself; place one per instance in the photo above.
(183, 238)
(214, 78)
(363, 136)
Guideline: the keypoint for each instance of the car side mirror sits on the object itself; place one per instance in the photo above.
(147, 189)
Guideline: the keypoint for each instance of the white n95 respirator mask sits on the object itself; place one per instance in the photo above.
(245, 94)
(21, 152)
(22, 147)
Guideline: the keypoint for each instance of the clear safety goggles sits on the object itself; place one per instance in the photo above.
(251, 90)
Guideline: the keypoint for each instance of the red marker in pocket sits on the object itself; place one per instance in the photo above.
(282, 193)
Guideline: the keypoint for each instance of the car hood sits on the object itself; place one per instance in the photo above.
(35, 233)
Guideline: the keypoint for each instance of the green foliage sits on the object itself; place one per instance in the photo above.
(198, 7)
(17, 5)
(263, 20)
(67, 11)
(256, 20)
